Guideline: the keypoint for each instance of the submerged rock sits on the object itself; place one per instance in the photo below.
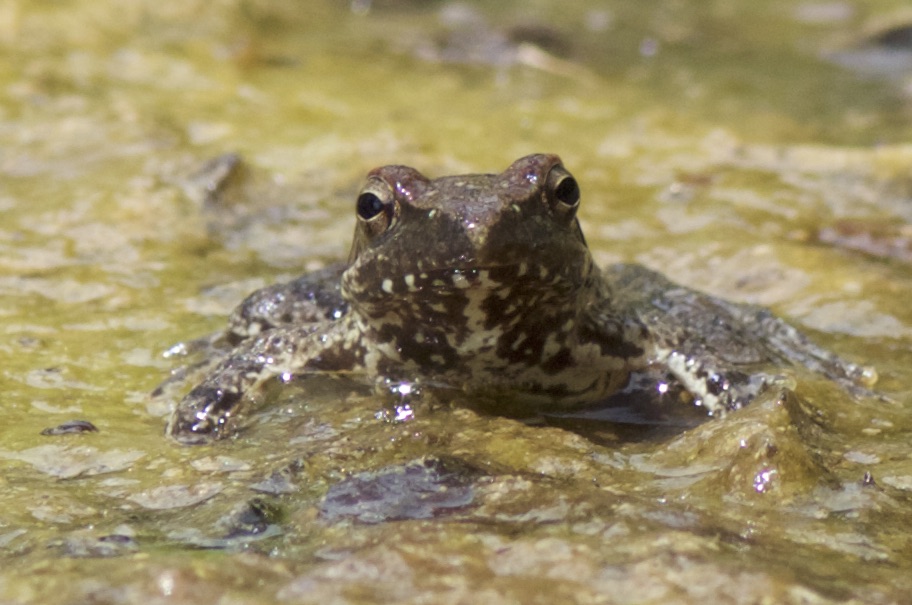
(421, 489)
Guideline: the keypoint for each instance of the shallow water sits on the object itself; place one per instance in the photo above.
(714, 141)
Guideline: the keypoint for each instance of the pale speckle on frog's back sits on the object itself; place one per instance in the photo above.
(484, 283)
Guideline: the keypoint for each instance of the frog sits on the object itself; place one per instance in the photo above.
(483, 285)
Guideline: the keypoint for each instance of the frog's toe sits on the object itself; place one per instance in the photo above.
(191, 434)
(736, 389)
(203, 416)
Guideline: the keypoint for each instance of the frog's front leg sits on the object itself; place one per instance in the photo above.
(725, 353)
(211, 410)
(312, 298)
(716, 383)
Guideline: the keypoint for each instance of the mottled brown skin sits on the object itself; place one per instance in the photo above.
(483, 284)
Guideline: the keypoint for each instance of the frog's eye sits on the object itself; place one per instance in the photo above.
(567, 191)
(376, 206)
(564, 189)
(369, 205)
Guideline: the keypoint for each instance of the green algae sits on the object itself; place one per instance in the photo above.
(711, 139)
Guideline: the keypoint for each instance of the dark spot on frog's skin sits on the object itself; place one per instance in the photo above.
(559, 362)
(522, 345)
(430, 354)
(612, 338)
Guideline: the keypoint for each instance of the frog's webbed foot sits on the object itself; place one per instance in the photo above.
(310, 300)
(212, 409)
(204, 415)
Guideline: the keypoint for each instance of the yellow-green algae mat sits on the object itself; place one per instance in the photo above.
(758, 151)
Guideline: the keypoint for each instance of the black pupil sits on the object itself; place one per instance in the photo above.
(567, 191)
(369, 206)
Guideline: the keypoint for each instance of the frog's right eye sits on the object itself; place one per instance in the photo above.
(376, 206)
(369, 205)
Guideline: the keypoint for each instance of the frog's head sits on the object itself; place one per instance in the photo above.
(430, 241)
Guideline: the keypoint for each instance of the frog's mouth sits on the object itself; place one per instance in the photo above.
(490, 276)
(507, 280)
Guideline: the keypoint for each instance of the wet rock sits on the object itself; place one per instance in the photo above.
(887, 52)
(876, 239)
(418, 490)
(71, 427)
(280, 481)
(91, 544)
(765, 450)
(9, 537)
(209, 184)
(219, 464)
(254, 518)
(898, 38)
(382, 572)
(176, 496)
(66, 462)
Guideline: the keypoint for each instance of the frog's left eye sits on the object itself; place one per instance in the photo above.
(376, 206)
(564, 189)
(567, 191)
